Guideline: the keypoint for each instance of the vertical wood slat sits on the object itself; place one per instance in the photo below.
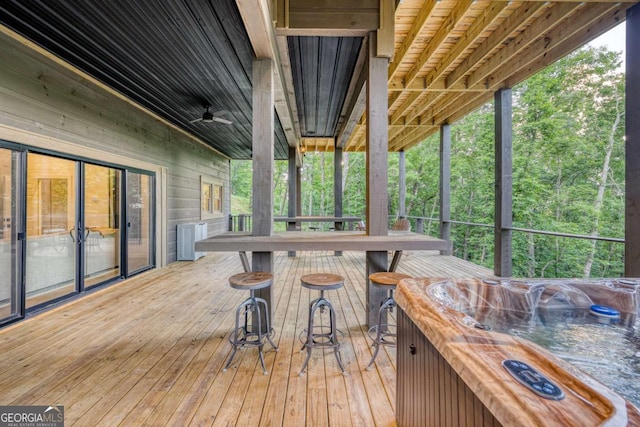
(632, 145)
(429, 392)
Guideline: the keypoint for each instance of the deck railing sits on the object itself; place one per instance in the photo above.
(240, 222)
(420, 222)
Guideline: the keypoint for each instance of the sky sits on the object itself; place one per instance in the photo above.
(614, 39)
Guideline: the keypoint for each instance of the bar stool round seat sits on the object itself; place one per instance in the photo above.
(245, 334)
(384, 333)
(252, 280)
(322, 281)
(321, 336)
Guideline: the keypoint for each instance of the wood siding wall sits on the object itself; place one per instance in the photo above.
(47, 105)
(429, 392)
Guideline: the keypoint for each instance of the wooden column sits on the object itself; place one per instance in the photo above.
(337, 185)
(376, 170)
(291, 176)
(402, 185)
(337, 190)
(298, 192)
(503, 184)
(263, 153)
(445, 186)
(293, 193)
(377, 143)
(632, 145)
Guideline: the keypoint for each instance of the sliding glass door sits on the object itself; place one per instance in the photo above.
(61, 227)
(51, 229)
(101, 231)
(10, 248)
(139, 221)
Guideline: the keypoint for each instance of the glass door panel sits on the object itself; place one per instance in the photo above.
(101, 224)
(50, 263)
(10, 301)
(139, 222)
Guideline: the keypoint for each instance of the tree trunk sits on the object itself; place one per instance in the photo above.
(414, 190)
(310, 187)
(531, 263)
(602, 184)
(322, 176)
(465, 245)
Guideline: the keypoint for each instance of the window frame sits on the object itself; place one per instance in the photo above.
(211, 211)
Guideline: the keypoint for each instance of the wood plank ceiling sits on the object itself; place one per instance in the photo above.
(452, 55)
(173, 57)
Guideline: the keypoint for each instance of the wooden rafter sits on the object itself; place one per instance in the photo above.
(451, 56)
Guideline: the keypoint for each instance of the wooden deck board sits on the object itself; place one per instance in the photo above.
(150, 350)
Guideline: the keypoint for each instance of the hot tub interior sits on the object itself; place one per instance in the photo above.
(591, 324)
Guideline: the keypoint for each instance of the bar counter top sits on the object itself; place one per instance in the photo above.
(320, 241)
(476, 356)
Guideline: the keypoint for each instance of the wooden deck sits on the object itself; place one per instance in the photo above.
(150, 350)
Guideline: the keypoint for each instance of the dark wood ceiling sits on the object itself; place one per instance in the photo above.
(172, 57)
(320, 91)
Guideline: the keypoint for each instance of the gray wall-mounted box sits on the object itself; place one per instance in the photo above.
(188, 235)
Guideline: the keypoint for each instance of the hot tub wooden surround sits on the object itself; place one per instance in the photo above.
(471, 362)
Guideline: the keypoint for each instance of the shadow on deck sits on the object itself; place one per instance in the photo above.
(150, 350)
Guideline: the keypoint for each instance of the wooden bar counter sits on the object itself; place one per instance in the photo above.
(320, 241)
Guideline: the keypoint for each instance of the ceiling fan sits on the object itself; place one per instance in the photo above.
(209, 117)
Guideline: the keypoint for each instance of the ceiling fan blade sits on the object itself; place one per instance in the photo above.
(221, 113)
(196, 120)
(220, 120)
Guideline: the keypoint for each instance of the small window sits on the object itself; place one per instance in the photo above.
(210, 198)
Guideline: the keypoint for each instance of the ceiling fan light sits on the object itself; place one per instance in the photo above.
(207, 117)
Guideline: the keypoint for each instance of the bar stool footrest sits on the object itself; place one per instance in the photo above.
(326, 337)
(387, 337)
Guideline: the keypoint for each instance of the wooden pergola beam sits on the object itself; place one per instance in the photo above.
(453, 20)
(294, 17)
(521, 43)
(410, 39)
(498, 38)
(256, 16)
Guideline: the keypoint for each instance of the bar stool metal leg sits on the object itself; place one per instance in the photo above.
(382, 330)
(242, 335)
(321, 339)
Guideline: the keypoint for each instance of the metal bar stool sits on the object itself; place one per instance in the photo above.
(245, 335)
(381, 333)
(318, 336)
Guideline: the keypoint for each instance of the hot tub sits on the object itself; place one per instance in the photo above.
(466, 354)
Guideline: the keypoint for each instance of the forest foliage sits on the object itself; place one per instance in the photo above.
(568, 174)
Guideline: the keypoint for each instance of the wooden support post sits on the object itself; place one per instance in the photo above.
(632, 145)
(337, 185)
(502, 262)
(445, 186)
(337, 190)
(377, 175)
(377, 142)
(376, 261)
(402, 185)
(293, 193)
(263, 154)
